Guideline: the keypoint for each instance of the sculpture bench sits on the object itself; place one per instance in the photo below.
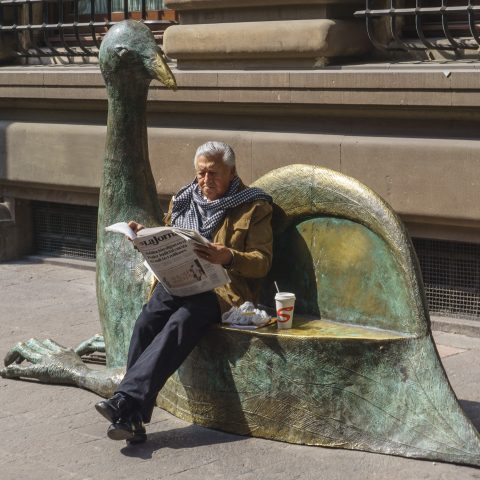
(366, 375)
(359, 369)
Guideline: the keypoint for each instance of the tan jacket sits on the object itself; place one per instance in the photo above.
(247, 232)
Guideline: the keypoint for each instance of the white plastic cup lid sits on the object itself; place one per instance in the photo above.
(285, 296)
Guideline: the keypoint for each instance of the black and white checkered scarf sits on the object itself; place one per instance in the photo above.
(191, 210)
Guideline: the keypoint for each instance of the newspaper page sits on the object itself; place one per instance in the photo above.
(169, 252)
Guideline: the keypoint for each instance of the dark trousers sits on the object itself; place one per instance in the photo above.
(166, 331)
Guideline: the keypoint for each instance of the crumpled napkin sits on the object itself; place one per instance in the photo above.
(246, 314)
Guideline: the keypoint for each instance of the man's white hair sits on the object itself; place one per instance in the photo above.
(215, 149)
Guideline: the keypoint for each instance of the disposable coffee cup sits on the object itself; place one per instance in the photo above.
(285, 303)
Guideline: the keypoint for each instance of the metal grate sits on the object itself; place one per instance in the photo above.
(72, 28)
(410, 25)
(65, 230)
(451, 274)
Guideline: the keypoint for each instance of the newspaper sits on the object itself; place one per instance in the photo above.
(169, 254)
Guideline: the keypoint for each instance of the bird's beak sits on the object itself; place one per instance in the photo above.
(161, 71)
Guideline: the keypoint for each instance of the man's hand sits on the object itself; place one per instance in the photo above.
(136, 227)
(214, 253)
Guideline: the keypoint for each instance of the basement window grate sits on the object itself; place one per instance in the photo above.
(62, 230)
(451, 274)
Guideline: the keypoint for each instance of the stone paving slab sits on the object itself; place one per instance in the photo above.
(53, 432)
(447, 351)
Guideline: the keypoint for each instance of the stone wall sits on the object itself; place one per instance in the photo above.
(408, 133)
(264, 34)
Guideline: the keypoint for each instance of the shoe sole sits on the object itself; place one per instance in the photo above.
(132, 438)
(120, 434)
(106, 412)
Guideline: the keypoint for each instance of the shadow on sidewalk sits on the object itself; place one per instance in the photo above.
(179, 438)
(472, 410)
(195, 436)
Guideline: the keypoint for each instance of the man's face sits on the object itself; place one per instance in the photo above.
(213, 176)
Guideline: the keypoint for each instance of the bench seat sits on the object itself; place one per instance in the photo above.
(308, 326)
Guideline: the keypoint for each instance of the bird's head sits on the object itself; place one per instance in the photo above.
(129, 47)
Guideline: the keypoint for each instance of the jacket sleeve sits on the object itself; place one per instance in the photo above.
(256, 259)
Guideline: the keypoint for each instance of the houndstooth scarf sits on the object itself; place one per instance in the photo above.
(191, 210)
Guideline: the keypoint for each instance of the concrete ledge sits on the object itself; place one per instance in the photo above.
(45, 193)
(61, 262)
(362, 86)
(470, 328)
(280, 40)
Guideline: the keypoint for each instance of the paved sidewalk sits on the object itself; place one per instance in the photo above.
(53, 432)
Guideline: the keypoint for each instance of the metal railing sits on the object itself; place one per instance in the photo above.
(423, 25)
(72, 28)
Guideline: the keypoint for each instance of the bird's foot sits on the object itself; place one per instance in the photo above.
(48, 362)
(92, 345)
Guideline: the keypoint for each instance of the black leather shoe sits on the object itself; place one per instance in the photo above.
(115, 408)
(130, 429)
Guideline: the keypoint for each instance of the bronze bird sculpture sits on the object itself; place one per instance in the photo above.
(129, 59)
(360, 372)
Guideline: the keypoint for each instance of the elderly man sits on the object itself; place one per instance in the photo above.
(237, 220)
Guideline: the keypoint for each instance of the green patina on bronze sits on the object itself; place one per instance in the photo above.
(342, 270)
(383, 395)
(359, 370)
(302, 193)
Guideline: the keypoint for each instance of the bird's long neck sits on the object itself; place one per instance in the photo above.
(128, 187)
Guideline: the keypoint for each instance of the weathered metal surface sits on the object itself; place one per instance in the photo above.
(129, 60)
(302, 192)
(367, 375)
(49, 362)
(383, 395)
(341, 270)
(307, 326)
